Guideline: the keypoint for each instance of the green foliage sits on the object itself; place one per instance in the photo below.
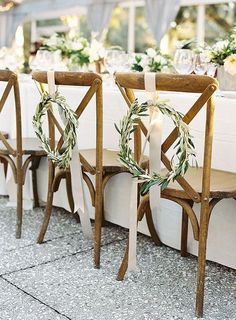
(75, 49)
(187, 44)
(60, 159)
(152, 61)
(223, 48)
(184, 146)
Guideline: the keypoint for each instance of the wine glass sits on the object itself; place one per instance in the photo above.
(200, 63)
(43, 60)
(113, 60)
(183, 61)
(37, 62)
(126, 60)
(211, 69)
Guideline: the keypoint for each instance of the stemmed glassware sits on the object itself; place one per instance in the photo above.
(39, 61)
(46, 60)
(184, 61)
(113, 60)
(211, 69)
(200, 63)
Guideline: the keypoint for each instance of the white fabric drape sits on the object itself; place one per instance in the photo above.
(159, 15)
(100, 11)
(99, 14)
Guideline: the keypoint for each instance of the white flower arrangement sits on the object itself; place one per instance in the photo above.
(223, 53)
(73, 49)
(96, 51)
(153, 60)
(77, 49)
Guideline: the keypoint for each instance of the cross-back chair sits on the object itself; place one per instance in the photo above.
(202, 185)
(98, 162)
(13, 150)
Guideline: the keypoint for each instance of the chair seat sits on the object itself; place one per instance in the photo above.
(111, 161)
(29, 146)
(223, 184)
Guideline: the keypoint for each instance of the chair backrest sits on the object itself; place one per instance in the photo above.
(10, 81)
(206, 86)
(78, 79)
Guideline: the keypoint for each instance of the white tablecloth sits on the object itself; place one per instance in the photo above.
(222, 235)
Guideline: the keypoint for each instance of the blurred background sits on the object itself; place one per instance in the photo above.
(219, 19)
(205, 20)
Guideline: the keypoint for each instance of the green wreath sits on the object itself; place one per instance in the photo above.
(184, 147)
(60, 159)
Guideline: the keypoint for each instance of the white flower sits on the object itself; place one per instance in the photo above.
(160, 59)
(93, 56)
(76, 45)
(220, 45)
(53, 41)
(230, 64)
(96, 51)
(146, 69)
(144, 62)
(151, 52)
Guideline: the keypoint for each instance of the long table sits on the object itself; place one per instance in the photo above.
(222, 235)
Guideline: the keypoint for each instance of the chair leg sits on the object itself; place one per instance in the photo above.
(184, 235)
(124, 265)
(5, 166)
(98, 220)
(184, 232)
(201, 262)
(33, 168)
(19, 210)
(69, 192)
(48, 210)
(103, 212)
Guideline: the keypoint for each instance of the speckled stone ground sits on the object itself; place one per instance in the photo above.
(56, 280)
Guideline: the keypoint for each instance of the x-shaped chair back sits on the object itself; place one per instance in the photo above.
(11, 83)
(206, 86)
(94, 83)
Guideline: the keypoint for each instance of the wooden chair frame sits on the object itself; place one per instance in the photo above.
(206, 86)
(103, 171)
(19, 168)
(94, 82)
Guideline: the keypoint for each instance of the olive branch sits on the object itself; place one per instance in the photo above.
(60, 159)
(184, 146)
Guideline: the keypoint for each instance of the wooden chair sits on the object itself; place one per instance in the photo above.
(16, 148)
(98, 162)
(204, 185)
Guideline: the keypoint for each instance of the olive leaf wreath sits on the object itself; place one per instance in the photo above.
(60, 159)
(184, 146)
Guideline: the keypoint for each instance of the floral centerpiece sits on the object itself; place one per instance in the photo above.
(153, 60)
(96, 53)
(73, 50)
(223, 55)
(78, 53)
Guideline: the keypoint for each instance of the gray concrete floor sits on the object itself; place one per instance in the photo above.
(56, 280)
